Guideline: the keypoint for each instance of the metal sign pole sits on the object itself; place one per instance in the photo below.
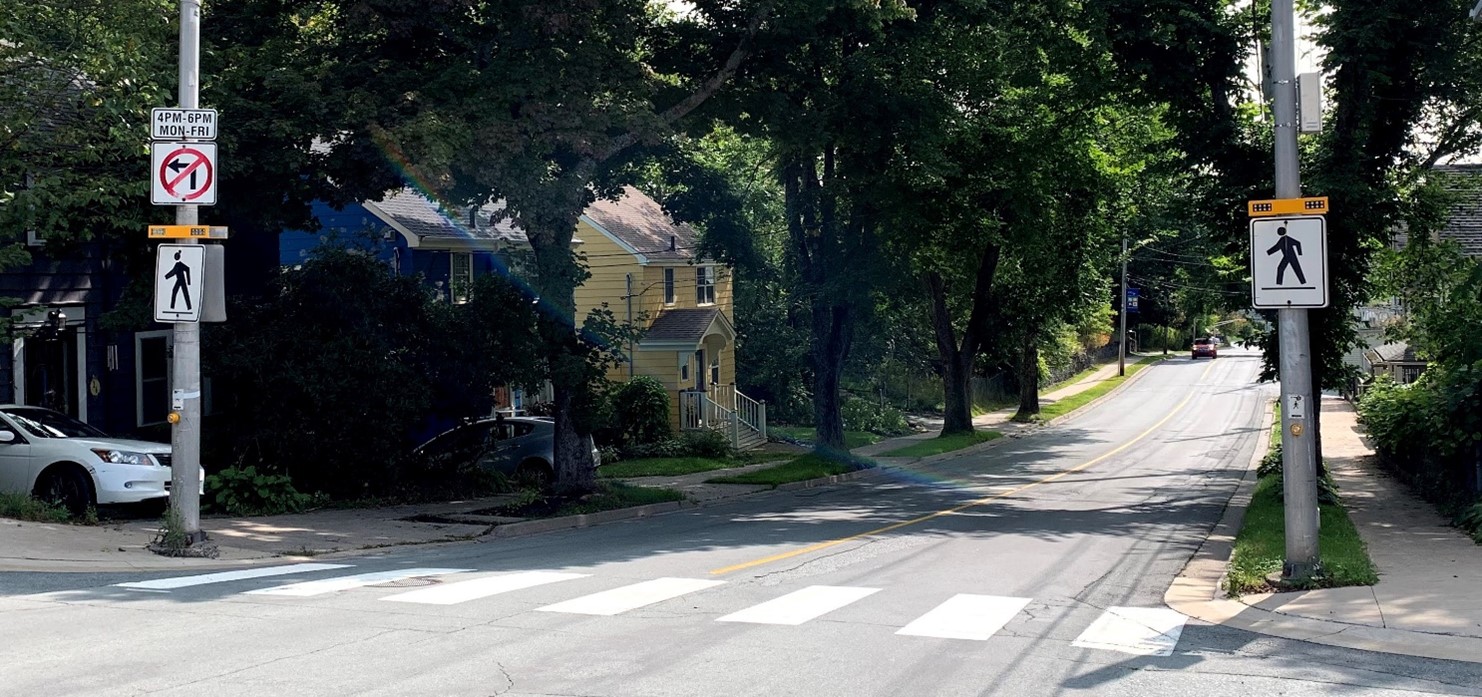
(185, 436)
(1122, 350)
(1298, 458)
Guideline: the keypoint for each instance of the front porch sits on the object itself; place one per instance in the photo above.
(725, 409)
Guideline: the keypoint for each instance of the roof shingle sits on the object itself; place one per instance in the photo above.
(642, 224)
(682, 324)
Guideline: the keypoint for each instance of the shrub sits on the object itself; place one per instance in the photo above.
(866, 415)
(641, 411)
(705, 443)
(245, 491)
(701, 443)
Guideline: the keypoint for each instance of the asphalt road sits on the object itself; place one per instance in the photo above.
(1035, 568)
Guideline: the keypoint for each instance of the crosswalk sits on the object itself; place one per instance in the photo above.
(1141, 631)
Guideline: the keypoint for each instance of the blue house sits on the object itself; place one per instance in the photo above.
(416, 236)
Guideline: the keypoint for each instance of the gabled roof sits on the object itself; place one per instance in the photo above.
(640, 225)
(1464, 227)
(422, 221)
(687, 326)
(1397, 352)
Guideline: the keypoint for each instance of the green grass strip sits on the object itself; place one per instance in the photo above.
(944, 444)
(1073, 402)
(1260, 548)
(21, 506)
(811, 466)
(806, 434)
(614, 495)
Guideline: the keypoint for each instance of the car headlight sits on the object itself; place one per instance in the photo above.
(122, 457)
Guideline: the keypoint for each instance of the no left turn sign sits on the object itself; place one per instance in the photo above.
(183, 173)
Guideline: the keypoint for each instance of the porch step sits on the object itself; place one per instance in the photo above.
(751, 439)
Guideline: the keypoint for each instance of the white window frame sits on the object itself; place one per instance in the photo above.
(669, 296)
(705, 285)
(458, 288)
(169, 336)
(684, 365)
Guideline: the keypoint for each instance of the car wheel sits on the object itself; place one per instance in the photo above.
(68, 486)
(535, 473)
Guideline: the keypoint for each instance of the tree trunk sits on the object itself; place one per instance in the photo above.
(957, 384)
(958, 359)
(833, 329)
(575, 470)
(557, 274)
(1028, 379)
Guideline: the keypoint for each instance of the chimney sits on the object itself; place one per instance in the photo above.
(673, 243)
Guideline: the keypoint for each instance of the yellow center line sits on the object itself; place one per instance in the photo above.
(976, 502)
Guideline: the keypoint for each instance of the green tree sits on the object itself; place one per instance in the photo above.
(554, 98)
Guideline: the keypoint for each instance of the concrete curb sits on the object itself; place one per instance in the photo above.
(1198, 591)
(535, 527)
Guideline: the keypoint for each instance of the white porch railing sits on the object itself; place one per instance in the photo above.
(723, 408)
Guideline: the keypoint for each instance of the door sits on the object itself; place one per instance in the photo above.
(51, 371)
(700, 371)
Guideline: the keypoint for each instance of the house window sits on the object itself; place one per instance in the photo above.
(705, 285)
(684, 367)
(460, 276)
(152, 376)
(668, 286)
(715, 369)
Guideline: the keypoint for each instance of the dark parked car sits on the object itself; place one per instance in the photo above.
(515, 446)
(1205, 347)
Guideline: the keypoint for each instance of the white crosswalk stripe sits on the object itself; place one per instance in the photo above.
(620, 600)
(464, 591)
(165, 584)
(798, 607)
(1131, 630)
(341, 583)
(964, 616)
(1141, 631)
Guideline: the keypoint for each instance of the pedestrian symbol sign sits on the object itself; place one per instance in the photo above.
(183, 173)
(178, 283)
(1289, 262)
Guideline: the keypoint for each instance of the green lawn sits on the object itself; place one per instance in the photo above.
(811, 466)
(1081, 399)
(944, 444)
(1261, 546)
(672, 466)
(806, 434)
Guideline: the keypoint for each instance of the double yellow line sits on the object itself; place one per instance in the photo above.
(976, 502)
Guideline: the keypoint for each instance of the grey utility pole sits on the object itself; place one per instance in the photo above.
(1122, 350)
(185, 436)
(1298, 456)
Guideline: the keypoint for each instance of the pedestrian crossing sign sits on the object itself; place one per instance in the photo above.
(1289, 262)
(177, 282)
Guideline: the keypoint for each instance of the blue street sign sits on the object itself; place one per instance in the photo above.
(1132, 295)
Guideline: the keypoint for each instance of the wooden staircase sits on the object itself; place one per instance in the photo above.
(723, 408)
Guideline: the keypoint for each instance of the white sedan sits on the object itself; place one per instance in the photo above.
(55, 457)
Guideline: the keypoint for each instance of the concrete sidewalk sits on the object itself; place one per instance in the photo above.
(1426, 601)
(121, 545)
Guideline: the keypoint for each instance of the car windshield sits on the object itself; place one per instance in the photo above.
(44, 423)
(1201, 342)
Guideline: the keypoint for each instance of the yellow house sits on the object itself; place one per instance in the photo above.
(648, 271)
